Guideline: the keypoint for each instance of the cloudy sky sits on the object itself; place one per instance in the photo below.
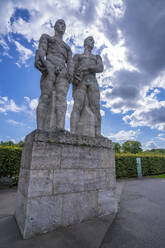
(130, 37)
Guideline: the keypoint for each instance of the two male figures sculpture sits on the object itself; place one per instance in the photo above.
(54, 60)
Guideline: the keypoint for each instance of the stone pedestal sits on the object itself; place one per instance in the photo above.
(64, 179)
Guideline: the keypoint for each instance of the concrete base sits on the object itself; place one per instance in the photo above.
(64, 179)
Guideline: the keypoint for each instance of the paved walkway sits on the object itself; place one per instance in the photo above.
(140, 222)
(88, 234)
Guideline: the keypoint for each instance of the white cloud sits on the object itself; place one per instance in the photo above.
(102, 112)
(69, 108)
(32, 103)
(15, 123)
(151, 145)
(24, 53)
(125, 135)
(9, 105)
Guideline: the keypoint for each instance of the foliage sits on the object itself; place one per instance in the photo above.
(10, 158)
(117, 147)
(11, 143)
(131, 147)
(156, 151)
(7, 143)
(159, 176)
(151, 164)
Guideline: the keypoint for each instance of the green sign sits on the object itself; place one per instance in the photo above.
(139, 168)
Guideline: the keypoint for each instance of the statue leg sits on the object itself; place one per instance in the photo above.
(44, 101)
(94, 103)
(62, 87)
(79, 99)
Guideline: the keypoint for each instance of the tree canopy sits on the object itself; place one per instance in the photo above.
(131, 147)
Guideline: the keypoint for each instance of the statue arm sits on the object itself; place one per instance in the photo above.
(70, 65)
(77, 76)
(41, 52)
(93, 68)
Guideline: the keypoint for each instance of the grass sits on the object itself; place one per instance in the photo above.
(159, 176)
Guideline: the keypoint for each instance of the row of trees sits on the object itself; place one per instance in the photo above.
(134, 147)
(128, 147)
(11, 143)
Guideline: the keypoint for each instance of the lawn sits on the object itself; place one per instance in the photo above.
(159, 176)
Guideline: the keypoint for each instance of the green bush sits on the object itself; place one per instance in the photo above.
(151, 164)
(10, 159)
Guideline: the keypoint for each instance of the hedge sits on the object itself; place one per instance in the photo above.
(152, 164)
(10, 158)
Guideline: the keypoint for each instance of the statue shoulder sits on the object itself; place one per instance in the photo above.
(45, 36)
(76, 56)
(98, 57)
(67, 47)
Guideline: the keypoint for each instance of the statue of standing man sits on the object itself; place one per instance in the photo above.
(54, 60)
(85, 116)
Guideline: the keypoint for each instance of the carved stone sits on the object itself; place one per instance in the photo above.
(85, 116)
(64, 179)
(54, 60)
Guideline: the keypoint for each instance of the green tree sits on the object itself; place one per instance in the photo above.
(7, 143)
(20, 143)
(117, 147)
(131, 147)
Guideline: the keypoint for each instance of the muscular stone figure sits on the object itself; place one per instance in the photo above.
(54, 60)
(86, 92)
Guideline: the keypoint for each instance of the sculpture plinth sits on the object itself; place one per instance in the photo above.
(64, 179)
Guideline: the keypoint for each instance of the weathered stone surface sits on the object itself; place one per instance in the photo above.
(65, 137)
(45, 156)
(95, 179)
(20, 212)
(81, 157)
(107, 202)
(54, 60)
(24, 178)
(40, 183)
(68, 181)
(79, 206)
(27, 151)
(85, 116)
(64, 183)
(43, 215)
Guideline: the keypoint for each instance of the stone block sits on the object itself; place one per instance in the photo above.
(45, 156)
(81, 157)
(40, 183)
(68, 180)
(20, 212)
(23, 184)
(95, 179)
(44, 214)
(64, 179)
(107, 202)
(78, 207)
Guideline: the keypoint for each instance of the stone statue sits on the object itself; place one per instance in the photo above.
(54, 60)
(85, 116)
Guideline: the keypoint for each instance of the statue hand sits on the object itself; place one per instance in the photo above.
(58, 69)
(78, 75)
(69, 77)
(40, 63)
(82, 68)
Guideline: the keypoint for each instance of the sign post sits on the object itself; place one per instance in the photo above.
(139, 168)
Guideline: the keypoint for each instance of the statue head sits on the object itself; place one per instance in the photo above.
(60, 26)
(89, 42)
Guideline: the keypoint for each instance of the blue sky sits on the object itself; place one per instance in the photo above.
(129, 35)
